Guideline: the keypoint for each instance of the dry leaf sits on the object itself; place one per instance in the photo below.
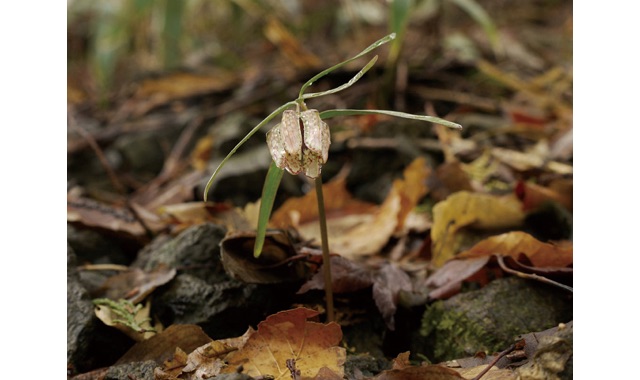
(289, 335)
(91, 213)
(140, 331)
(516, 243)
(389, 281)
(493, 373)
(533, 196)
(276, 264)
(430, 372)
(354, 228)
(162, 346)
(448, 279)
(465, 209)
(401, 361)
(135, 284)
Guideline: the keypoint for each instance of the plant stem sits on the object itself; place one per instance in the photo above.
(326, 259)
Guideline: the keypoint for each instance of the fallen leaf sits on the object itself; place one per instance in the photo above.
(279, 261)
(389, 281)
(135, 284)
(430, 372)
(515, 243)
(136, 325)
(290, 335)
(358, 229)
(465, 209)
(447, 280)
(90, 213)
(533, 196)
(401, 361)
(346, 276)
(493, 373)
(161, 347)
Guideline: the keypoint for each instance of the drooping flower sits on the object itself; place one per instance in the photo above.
(300, 142)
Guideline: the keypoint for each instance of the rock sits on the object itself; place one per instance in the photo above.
(489, 319)
(553, 358)
(91, 246)
(364, 366)
(224, 309)
(90, 343)
(135, 370)
(195, 251)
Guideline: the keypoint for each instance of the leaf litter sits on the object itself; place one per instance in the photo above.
(478, 202)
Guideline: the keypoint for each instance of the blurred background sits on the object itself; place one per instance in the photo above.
(160, 90)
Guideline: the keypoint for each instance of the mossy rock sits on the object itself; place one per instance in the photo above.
(489, 319)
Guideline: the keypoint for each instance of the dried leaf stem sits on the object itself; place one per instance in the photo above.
(531, 276)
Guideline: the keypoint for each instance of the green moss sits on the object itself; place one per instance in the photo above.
(491, 318)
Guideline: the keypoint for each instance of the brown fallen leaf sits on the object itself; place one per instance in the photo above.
(387, 280)
(493, 373)
(135, 284)
(533, 196)
(356, 228)
(161, 347)
(90, 213)
(465, 209)
(447, 280)
(515, 243)
(278, 263)
(290, 335)
(430, 372)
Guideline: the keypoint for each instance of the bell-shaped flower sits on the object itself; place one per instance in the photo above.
(300, 142)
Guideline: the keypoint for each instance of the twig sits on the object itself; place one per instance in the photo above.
(326, 259)
(498, 357)
(98, 151)
(531, 276)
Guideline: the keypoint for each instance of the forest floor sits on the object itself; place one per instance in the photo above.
(451, 249)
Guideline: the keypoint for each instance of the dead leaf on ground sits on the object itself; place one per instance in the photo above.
(430, 372)
(279, 261)
(135, 284)
(290, 335)
(357, 228)
(161, 347)
(138, 324)
(550, 260)
(94, 214)
(493, 373)
(387, 281)
(533, 196)
(465, 209)
(515, 243)
(184, 215)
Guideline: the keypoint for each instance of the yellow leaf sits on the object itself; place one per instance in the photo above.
(466, 209)
(288, 337)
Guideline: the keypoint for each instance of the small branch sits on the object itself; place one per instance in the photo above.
(326, 259)
(497, 358)
(531, 276)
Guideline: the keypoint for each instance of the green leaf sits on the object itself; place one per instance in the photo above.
(251, 133)
(347, 112)
(346, 85)
(375, 45)
(269, 190)
(479, 15)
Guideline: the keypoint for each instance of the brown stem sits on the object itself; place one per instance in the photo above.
(531, 276)
(326, 259)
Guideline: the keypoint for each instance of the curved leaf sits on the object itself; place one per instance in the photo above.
(269, 190)
(346, 85)
(273, 114)
(348, 112)
(374, 45)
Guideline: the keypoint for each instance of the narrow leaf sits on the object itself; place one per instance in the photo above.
(479, 15)
(348, 112)
(251, 133)
(346, 85)
(269, 190)
(375, 45)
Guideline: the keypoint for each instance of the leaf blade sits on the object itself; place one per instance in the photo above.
(244, 139)
(351, 112)
(374, 45)
(269, 191)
